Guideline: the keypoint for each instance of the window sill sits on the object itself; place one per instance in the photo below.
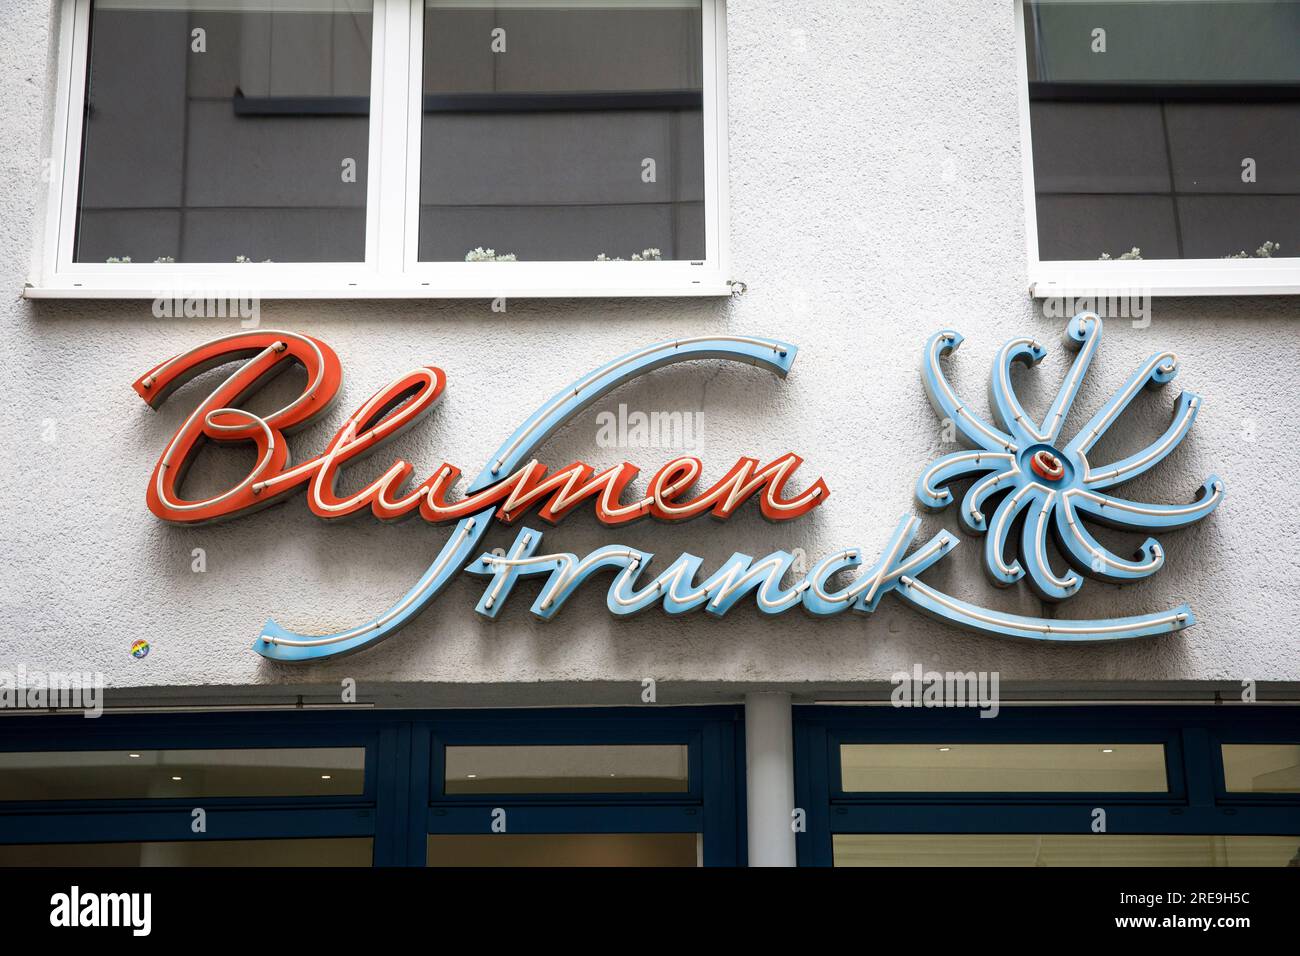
(1165, 277)
(100, 285)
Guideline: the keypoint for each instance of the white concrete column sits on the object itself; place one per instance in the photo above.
(769, 784)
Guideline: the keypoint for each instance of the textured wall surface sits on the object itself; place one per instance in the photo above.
(853, 243)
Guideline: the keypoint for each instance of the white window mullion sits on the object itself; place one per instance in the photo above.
(388, 136)
(413, 118)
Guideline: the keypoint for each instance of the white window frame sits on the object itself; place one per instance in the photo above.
(390, 269)
(1114, 277)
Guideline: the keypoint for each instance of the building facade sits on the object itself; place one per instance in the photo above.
(655, 233)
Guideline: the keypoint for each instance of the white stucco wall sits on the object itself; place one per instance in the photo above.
(853, 245)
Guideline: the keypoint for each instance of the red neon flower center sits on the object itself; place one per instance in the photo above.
(1046, 465)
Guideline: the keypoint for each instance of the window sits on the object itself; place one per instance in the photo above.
(245, 133)
(1162, 145)
(1261, 768)
(589, 768)
(193, 790)
(581, 789)
(1003, 768)
(582, 140)
(124, 774)
(359, 786)
(1098, 785)
(354, 148)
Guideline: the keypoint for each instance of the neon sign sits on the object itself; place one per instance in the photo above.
(386, 415)
(1056, 486)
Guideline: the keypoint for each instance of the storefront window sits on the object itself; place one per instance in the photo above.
(1061, 849)
(1046, 786)
(608, 786)
(622, 787)
(223, 132)
(160, 774)
(637, 768)
(1003, 768)
(1261, 768)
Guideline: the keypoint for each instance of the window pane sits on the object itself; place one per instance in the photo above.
(1055, 849)
(562, 131)
(1261, 768)
(127, 774)
(564, 849)
(217, 129)
(1175, 130)
(344, 851)
(615, 768)
(1003, 768)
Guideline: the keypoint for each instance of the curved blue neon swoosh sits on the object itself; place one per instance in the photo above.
(280, 644)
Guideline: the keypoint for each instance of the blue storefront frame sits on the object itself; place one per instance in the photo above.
(402, 798)
(1195, 803)
(713, 805)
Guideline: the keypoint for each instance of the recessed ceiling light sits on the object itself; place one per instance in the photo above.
(944, 750)
(176, 778)
(1107, 750)
(325, 776)
(472, 776)
(134, 755)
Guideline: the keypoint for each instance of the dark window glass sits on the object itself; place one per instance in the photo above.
(562, 132)
(131, 774)
(1165, 130)
(218, 130)
(565, 768)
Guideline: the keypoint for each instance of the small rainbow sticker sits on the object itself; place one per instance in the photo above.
(140, 649)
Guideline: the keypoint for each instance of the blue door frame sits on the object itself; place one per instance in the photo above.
(402, 799)
(1196, 801)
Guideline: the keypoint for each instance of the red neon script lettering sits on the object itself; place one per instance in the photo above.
(388, 413)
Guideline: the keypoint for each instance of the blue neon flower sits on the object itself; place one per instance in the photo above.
(1024, 467)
